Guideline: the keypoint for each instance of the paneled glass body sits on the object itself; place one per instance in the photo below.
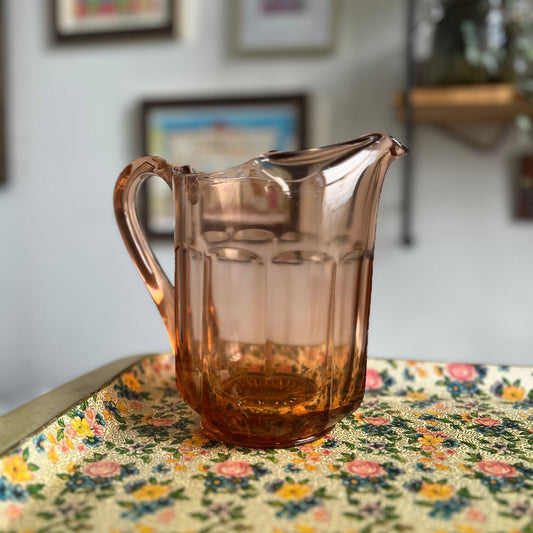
(272, 289)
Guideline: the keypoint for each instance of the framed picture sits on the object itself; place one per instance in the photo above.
(214, 134)
(283, 26)
(81, 20)
(3, 165)
(523, 188)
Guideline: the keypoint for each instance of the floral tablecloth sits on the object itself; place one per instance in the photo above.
(433, 448)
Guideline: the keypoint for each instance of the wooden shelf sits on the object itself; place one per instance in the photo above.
(464, 104)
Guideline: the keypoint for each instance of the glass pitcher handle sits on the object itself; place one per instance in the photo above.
(155, 279)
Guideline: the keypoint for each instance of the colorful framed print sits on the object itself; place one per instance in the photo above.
(270, 27)
(214, 134)
(80, 20)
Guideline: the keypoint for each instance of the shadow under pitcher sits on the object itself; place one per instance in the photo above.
(268, 313)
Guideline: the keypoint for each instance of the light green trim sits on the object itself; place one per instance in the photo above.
(34, 415)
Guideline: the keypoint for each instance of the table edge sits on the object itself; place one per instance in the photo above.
(32, 416)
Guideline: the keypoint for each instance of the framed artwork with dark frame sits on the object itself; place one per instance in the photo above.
(3, 150)
(214, 134)
(90, 20)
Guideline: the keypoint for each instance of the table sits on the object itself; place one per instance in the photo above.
(433, 448)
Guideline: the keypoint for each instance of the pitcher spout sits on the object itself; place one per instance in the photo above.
(365, 158)
(366, 178)
(379, 144)
(352, 175)
(397, 149)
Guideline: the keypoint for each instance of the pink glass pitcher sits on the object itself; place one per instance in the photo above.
(268, 313)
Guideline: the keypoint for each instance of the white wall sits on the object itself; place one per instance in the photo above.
(71, 300)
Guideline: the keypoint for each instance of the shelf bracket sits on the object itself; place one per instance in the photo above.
(482, 138)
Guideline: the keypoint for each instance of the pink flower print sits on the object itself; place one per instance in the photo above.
(70, 432)
(497, 468)
(377, 420)
(362, 468)
(234, 469)
(475, 515)
(461, 372)
(13, 512)
(373, 379)
(135, 405)
(167, 515)
(322, 515)
(486, 421)
(102, 468)
(90, 415)
(97, 429)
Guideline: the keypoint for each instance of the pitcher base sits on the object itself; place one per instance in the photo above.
(254, 441)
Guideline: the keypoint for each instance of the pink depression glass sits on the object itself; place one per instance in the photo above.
(268, 313)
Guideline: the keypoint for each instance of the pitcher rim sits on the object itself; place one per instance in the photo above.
(360, 142)
(363, 140)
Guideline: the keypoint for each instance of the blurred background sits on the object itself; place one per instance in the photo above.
(70, 297)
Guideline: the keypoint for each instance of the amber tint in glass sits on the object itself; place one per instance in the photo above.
(268, 315)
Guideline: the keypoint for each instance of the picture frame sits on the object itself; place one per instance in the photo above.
(281, 27)
(522, 188)
(212, 134)
(3, 149)
(95, 20)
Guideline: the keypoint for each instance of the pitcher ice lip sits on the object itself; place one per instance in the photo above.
(396, 149)
(362, 141)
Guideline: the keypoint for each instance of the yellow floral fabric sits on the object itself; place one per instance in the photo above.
(433, 448)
